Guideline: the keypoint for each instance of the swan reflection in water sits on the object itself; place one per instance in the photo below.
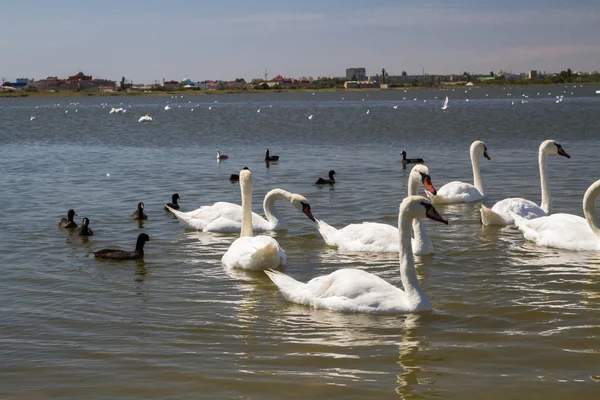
(408, 358)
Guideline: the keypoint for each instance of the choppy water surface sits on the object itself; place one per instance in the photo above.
(510, 320)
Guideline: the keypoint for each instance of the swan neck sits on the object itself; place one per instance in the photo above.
(417, 231)
(546, 204)
(407, 267)
(476, 173)
(269, 208)
(589, 207)
(413, 186)
(246, 188)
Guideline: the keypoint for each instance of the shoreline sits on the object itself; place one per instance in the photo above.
(23, 94)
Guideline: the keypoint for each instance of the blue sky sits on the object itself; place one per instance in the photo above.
(227, 39)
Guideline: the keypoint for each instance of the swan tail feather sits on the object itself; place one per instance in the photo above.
(286, 284)
(519, 221)
(183, 218)
(491, 217)
(327, 231)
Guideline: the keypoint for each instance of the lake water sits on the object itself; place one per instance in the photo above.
(510, 320)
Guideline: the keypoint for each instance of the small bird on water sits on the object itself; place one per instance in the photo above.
(113, 254)
(84, 229)
(330, 181)
(139, 213)
(68, 222)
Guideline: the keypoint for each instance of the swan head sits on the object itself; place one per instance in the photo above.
(70, 214)
(421, 208)
(301, 204)
(245, 177)
(175, 197)
(479, 147)
(331, 174)
(420, 174)
(553, 147)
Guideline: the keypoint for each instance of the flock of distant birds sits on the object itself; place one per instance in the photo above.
(355, 289)
(445, 104)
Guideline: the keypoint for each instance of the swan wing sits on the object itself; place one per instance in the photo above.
(367, 236)
(563, 231)
(522, 207)
(254, 253)
(351, 290)
(221, 217)
(456, 192)
(500, 213)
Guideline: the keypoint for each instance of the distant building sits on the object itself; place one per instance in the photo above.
(532, 74)
(170, 84)
(79, 81)
(50, 84)
(356, 74)
(80, 76)
(20, 83)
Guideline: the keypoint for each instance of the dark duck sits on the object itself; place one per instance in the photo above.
(173, 204)
(113, 254)
(330, 181)
(269, 157)
(139, 213)
(410, 160)
(235, 177)
(68, 222)
(84, 229)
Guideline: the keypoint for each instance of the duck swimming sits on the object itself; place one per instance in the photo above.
(84, 229)
(112, 254)
(269, 157)
(139, 213)
(173, 204)
(68, 222)
(410, 160)
(329, 181)
(221, 156)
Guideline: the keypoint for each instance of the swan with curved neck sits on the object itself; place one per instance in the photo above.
(378, 237)
(499, 213)
(461, 192)
(359, 291)
(566, 231)
(227, 217)
(248, 251)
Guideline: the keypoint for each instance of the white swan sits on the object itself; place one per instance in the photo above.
(499, 213)
(566, 231)
(227, 217)
(359, 291)
(378, 237)
(461, 192)
(248, 251)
